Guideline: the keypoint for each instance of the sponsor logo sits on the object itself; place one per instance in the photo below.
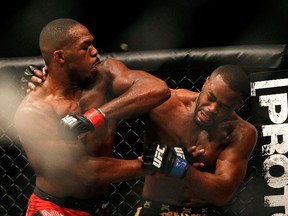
(272, 98)
(158, 157)
(179, 152)
(69, 119)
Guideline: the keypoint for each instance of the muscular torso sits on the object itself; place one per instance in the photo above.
(174, 124)
(60, 166)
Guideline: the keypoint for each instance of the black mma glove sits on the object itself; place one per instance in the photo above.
(71, 126)
(172, 161)
(26, 77)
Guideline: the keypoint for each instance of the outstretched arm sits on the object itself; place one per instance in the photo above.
(135, 92)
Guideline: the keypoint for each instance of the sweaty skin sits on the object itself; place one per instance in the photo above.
(205, 121)
(201, 119)
(77, 81)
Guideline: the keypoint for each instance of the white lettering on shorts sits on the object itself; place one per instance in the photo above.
(51, 213)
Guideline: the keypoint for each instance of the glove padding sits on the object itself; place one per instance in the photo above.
(73, 125)
(172, 161)
(26, 77)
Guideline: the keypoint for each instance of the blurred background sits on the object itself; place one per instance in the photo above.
(120, 26)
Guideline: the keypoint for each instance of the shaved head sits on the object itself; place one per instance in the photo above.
(235, 77)
(53, 36)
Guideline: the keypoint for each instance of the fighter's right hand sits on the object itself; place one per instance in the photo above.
(172, 161)
(71, 126)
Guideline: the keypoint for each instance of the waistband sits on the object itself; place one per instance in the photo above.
(164, 207)
(91, 206)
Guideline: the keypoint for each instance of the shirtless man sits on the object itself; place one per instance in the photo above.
(207, 120)
(73, 175)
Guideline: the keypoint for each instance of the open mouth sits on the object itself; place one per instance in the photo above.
(96, 63)
(204, 117)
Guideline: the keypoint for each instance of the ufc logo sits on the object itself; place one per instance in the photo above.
(179, 152)
(157, 161)
(69, 119)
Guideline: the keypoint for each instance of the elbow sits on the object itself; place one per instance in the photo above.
(166, 93)
(221, 201)
(163, 92)
(223, 198)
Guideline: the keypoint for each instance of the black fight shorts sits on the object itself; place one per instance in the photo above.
(152, 208)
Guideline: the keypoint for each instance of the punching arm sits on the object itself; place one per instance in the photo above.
(172, 161)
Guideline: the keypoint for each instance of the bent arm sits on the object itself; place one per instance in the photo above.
(137, 91)
(217, 188)
(55, 160)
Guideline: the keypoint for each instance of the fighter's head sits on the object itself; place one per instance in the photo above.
(223, 91)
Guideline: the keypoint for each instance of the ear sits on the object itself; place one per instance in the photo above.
(59, 56)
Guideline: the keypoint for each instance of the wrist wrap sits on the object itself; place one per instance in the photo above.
(180, 167)
(95, 116)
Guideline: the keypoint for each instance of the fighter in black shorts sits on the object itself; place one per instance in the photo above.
(206, 120)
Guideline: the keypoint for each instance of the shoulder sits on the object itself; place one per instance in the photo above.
(246, 133)
(32, 109)
(111, 64)
(184, 95)
(247, 128)
(179, 98)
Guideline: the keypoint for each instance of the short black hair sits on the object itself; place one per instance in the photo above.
(54, 33)
(235, 77)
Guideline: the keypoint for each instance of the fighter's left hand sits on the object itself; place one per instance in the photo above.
(196, 153)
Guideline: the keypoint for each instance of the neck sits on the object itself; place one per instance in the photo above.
(62, 88)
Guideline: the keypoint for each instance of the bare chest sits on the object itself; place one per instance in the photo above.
(63, 106)
(96, 142)
(182, 130)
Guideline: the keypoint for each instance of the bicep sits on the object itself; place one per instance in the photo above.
(231, 166)
(123, 78)
(134, 78)
(233, 160)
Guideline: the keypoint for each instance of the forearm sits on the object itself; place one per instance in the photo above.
(212, 189)
(140, 98)
(103, 170)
